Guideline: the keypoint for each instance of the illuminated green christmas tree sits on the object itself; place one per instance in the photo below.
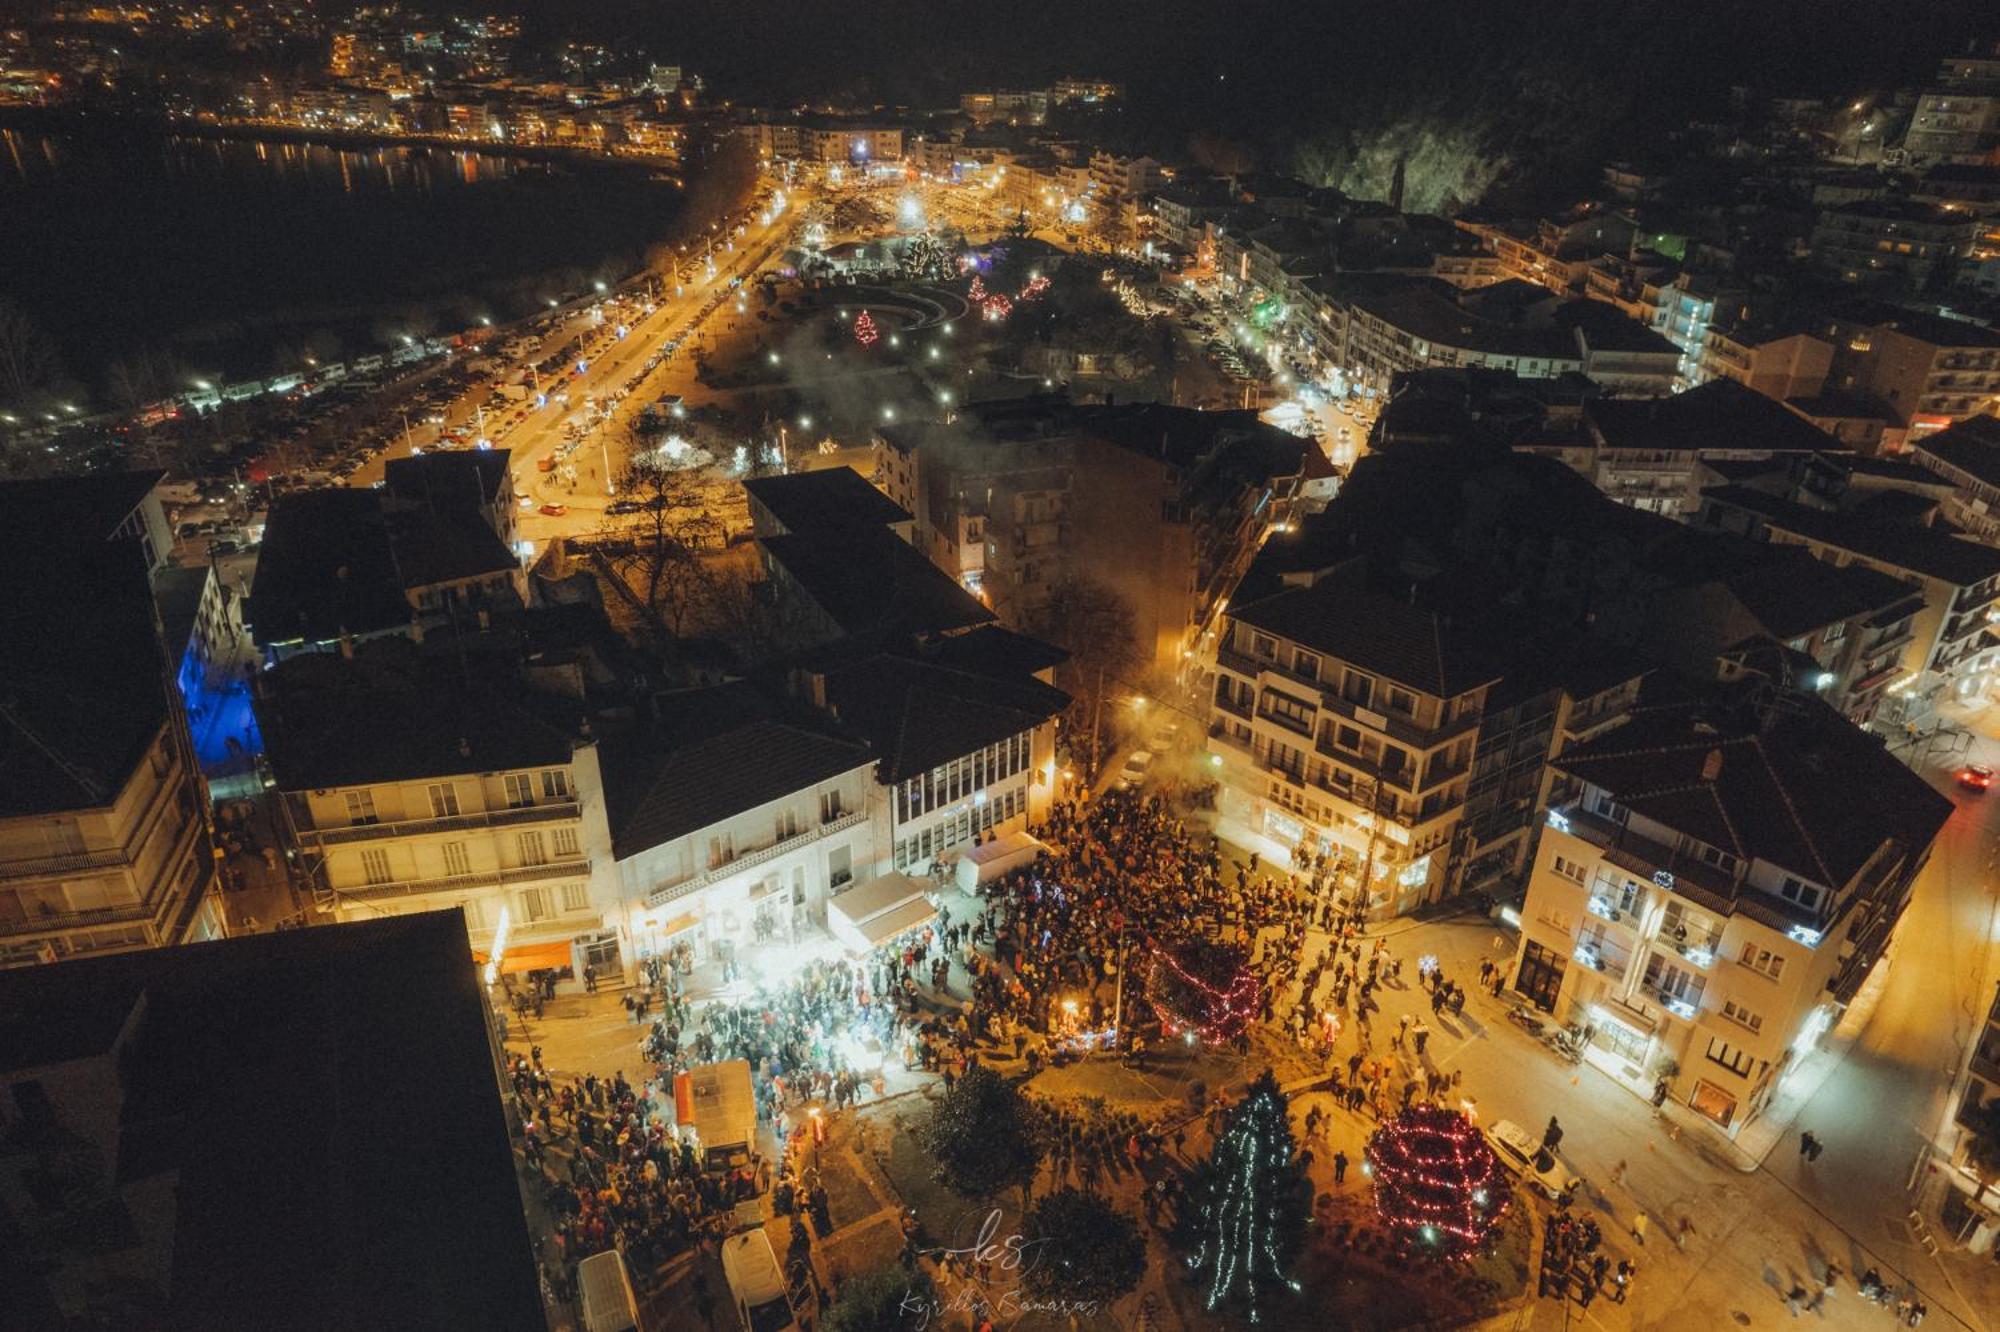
(1249, 1205)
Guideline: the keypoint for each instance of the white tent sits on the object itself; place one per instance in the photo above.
(989, 860)
(865, 917)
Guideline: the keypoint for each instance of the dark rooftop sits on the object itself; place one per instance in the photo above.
(401, 711)
(1794, 593)
(1923, 550)
(918, 713)
(713, 753)
(1972, 446)
(833, 497)
(450, 477)
(869, 580)
(62, 508)
(1810, 793)
(308, 1133)
(1719, 415)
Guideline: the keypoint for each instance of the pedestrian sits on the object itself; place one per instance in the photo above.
(1682, 1229)
(1639, 1224)
(1618, 1173)
(1339, 1167)
(1806, 1144)
(1817, 1148)
(1794, 1299)
(1552, 1136)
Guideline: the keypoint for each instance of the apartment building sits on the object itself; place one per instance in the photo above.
(420, 777)
(1780, 363)
(1968, 456)
(1705, 901)
(1891, 241)
(104, 822)
(733, 823)
(1928, 371)
(1977, 1097)
(1950, 651)
(1957, 120)
(1343, 720)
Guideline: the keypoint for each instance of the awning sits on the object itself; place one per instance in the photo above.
(990, 860)
(680, 924)
(530, 957)
(865, 917)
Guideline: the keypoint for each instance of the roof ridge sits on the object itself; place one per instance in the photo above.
(1792, 812)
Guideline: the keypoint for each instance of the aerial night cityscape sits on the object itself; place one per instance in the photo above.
(739, 665)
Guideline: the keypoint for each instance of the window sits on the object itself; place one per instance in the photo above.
(361, 807)
(1763, 961)
(1736, 1060)
(66, 839)
(456, 862)
(1306, 664)
(1602, 805)
(1358, 689)
(1737, 1013)
(1263, 646)
(444, 800)
(1674, 984)
(566, 843)
(1402, 702)
(1289, 711)
(787, 823)
(1805, 894)
(534, 851)
(375, 867)
(829, 806)
(576, 897)
(1347, 738)
(555, 784)
(1569, 869)
(535, 904)
(840, 866)
(520, 790)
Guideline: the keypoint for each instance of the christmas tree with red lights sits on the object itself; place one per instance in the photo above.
(864, 330)
(1248, 1206)
(1437, 1183)
(1204, 989)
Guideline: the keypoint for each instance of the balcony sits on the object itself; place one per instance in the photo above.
(694, 883)
(553, 812)
(1986, 1067)
(560, 869)
(49, 867)
(1671, 1000)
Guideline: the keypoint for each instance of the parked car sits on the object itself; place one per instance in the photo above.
(1134, 772)
(554, 510)
(756, 1283)
(1975, 777)
(1524, 1157)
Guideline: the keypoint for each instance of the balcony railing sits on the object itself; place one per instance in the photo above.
(1685, 1009)
(555, 869)
(694, 883)
(43, 867)
(553, 811)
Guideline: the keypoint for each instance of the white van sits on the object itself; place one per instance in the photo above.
(757, 1284)
(605, 1292)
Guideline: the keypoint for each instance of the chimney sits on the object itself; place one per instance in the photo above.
(1711, 767)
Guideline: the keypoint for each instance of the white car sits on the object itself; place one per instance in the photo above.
(1523, 1156)
(756, 1284)
(1135, 769)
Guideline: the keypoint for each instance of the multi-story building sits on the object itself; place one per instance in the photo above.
(733, 823)
(1950, 651)
(1705, 902)
(1012, 106)
(1928, 370)
(1891, 241)
(104, 817)
(418, 777)
(1968, 456)
(1976, 1103)
(1344, 717)
(1957, 121)
(1779, 363)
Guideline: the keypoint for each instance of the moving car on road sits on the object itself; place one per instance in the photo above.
(554, 510)
(1975, 777)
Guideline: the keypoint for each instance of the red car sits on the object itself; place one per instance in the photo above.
(554, 510)
(1975, 777)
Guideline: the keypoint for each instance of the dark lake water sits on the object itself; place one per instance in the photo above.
(233, 256)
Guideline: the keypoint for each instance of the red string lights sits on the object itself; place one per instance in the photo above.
(1437, 1183)
(1209, 990)
(864, 330)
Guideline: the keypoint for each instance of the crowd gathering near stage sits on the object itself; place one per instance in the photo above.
(1023, 975)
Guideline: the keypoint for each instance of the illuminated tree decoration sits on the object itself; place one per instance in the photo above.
(864, 330)
(1249, 1203)
(1437, 1183)
(1036, 286)
(997, 308)
(1204, 988)
(977, 291)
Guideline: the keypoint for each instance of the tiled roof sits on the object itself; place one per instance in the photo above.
(1809, 793)
(61, 508)
(918, 714)
(1972, 446)
(343, 1073)
(1923, 550)
(868, 580)
(716, 753)
(1795, 594)
(833, 497)
(398, 711)
(1720, 414)
(1342, 615)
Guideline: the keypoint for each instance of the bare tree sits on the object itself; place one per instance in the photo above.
(658, 553)
(28, 365)
(1097, 627)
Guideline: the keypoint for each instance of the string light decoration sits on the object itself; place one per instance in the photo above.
(1437, 1183)
(977, 291)
(998, 308)
(864, 330)
(1204, 988)
(1251, 1202)
(1036, 286)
